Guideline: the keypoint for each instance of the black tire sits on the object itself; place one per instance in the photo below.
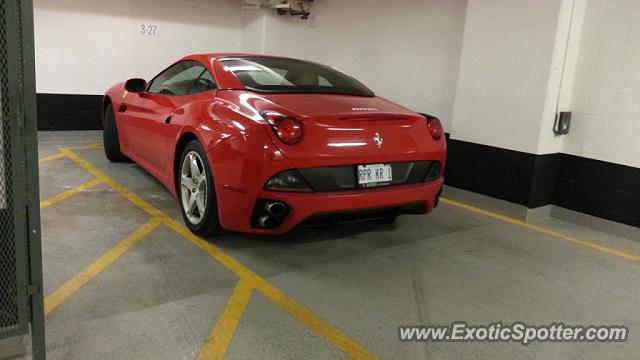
(209, 224)
(110, 137)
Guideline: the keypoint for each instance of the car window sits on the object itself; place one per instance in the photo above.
(207, 75)
(268, 74)
(183, 78)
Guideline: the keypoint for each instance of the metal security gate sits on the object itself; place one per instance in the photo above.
(21, 304)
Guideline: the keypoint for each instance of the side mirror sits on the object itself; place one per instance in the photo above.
(135, 85)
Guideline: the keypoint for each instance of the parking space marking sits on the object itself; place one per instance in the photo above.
(50, 157)
(312, 321)
(60, 155)
(65, 291)
(306, 316)
(86, 147)
(220, 338)
(69, 193)
(248, 279)
(541, 230)
(114, 185)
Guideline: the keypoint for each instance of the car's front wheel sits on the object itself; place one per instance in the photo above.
(197, 191)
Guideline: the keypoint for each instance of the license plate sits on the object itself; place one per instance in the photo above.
(374, 175)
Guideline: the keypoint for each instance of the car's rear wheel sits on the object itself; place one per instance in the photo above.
(110, 137)
(197, 191)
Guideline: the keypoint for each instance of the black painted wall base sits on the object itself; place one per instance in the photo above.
(57, 112)
(514, 176)
(607, 190)
(599, 188)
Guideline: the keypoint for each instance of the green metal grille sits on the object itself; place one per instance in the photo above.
(9, 312)
(21, 298)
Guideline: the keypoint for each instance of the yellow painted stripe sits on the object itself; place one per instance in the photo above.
(541, 230)
(87, 147)
(339, 339)
(306, 316)
(215, 252)
(220, 338)
(311, 320)
(69, 193)
(83, 163)
(50, 157)
(113, 184)
(65, 291)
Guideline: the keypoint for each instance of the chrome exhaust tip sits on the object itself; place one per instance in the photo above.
(268, 222)
(276, 208)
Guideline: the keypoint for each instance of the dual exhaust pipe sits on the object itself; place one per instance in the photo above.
(275, 210)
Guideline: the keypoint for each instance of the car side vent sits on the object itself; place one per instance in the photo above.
(123, 108)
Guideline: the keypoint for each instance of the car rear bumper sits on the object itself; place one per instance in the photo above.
(309, 207)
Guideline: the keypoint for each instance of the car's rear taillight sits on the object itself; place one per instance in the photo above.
(286, 128)
(435, 127)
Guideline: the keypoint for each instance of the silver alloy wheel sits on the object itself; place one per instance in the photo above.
(193, 185)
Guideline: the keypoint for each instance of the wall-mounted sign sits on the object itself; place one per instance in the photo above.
(148, 29)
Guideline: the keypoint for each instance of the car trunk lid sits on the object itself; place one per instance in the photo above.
(340, 130)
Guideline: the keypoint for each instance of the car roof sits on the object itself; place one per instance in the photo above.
(214, 56)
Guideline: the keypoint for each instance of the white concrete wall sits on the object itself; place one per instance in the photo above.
(405, 50)
(498, 85)
(84, 47)
(505, 72)
(606, 95)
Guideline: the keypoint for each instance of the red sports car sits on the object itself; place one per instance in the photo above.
(260, 144)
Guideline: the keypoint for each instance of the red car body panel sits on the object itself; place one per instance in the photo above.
(244, 153)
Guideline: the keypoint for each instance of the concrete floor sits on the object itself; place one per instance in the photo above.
(161, 299)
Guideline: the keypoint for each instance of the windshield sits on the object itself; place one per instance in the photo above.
(280, 75)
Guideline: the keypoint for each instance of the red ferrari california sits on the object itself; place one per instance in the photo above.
(261, 144)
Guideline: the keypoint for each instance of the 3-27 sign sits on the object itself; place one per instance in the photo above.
(147, 29)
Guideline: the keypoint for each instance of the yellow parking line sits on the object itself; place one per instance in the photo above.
(86, 147)
(342, 341)
(59, 155)
(215, 252)
(116, 186)
(69, 193)
(220, 338)
(311, 320)
(306, 316)
(65, 291)
(50, 157)
(541, 230)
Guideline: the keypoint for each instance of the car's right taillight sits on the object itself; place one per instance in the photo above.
(435, 127)
(286, 128)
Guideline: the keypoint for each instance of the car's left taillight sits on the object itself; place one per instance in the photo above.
(286, 128)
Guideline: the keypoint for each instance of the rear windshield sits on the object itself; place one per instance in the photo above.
(278, 75)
